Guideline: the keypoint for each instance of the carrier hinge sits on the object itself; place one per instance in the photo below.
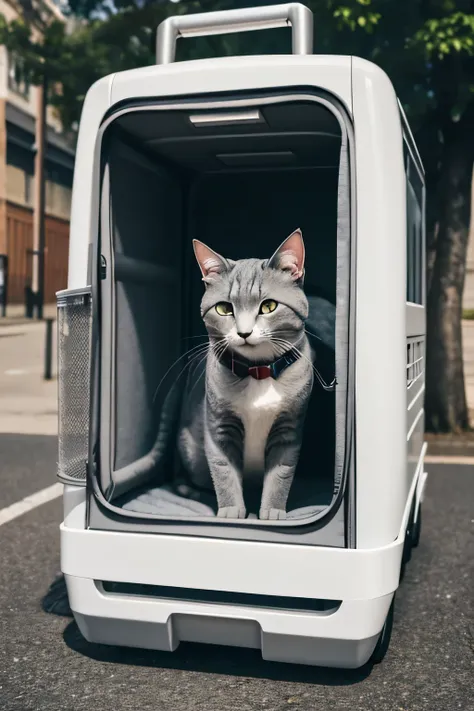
(103, 267)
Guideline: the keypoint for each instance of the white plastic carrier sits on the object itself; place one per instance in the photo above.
(238, 151)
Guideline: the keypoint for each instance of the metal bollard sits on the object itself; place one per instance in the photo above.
(48, 350)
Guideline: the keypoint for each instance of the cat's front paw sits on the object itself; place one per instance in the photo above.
(232, 512)
(272, 514)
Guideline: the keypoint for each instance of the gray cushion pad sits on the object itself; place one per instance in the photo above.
(162, 501)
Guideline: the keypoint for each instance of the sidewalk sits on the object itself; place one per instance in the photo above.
(28, 403)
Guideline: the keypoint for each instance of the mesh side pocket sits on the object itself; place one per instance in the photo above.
(74, 350)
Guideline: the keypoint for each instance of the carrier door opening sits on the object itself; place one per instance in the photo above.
(241, 188)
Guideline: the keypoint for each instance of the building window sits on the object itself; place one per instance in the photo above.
(16, 82)
(415, 247)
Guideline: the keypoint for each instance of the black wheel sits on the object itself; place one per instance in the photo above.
(383, 643)
(416, 530)
(407, 545)
(409, 539)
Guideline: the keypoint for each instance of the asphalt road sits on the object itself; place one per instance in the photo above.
(46, 665)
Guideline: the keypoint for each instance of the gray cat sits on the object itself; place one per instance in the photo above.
(245, 422)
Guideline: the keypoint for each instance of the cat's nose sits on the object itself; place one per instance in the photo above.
(244, 335)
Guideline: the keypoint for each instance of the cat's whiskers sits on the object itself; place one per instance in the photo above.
(277, 342)
(218, 349)
(201, 375)
(280, 349)
(202, 357)
(221, 347)
(198, 350)
(289, 345)
(310, 333)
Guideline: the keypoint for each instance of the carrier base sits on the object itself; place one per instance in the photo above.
(344, 638)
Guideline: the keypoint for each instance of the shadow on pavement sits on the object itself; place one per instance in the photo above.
(56, 601)
(210, 659)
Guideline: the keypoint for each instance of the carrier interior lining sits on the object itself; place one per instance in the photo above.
(168, 185)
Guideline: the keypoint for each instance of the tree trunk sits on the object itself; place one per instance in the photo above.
(446, 407)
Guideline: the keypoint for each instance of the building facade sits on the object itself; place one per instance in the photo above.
(19, 107)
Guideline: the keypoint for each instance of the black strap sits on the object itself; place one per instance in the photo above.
(241, 367)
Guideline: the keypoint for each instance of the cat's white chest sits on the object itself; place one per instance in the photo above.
(258, 406)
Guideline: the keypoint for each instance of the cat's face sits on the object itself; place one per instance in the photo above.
(256, 308)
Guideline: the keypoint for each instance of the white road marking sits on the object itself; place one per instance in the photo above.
(30, 502)
(448, 459)
(15, 371)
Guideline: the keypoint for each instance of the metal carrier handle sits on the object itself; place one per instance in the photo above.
(295, 14)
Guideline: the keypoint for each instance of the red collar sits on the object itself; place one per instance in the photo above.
(245, 369)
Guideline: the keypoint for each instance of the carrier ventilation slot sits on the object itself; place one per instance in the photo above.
(74, 351)
(252, 159)
(221, 597)
(415, 361)
(208, 119)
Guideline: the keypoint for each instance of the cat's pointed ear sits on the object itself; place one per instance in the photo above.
(289, 256)
(210, 263)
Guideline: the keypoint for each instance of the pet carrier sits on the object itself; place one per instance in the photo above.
(236, 153)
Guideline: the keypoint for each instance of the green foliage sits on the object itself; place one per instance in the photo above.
(356, 16)
(439, 37)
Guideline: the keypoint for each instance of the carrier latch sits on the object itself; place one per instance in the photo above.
(103, 267)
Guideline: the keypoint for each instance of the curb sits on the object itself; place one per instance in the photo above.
(8, 322)
(449, 459)
(454, 448)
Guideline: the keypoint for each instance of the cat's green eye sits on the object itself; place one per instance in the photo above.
(223, 308)
(268, 306)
